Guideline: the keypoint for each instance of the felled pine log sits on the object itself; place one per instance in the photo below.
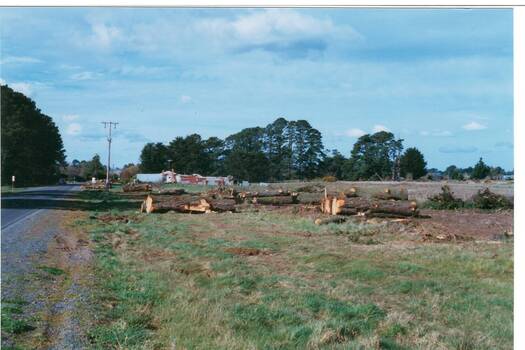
(361, 206)
(392, 194)
(309, 198)
(390, 209)
(352, 192)
(345, 205)
(183, 204)
(275, 200)
(137, 187)
(172, 191)
(269, 193)
(221, 205)
(222, 193)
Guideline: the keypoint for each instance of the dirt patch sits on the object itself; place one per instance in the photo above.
(465, 224)
(194, 268)
(246, 251)
(157, 255)
(108, 218)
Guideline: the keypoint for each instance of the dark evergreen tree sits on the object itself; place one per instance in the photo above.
(154, 158)
(373, 156)
(334, 164)
(413, 162)
(454, 173)
(481, 170)
(214, 150)
(245, 158)
(276, 148)
(32, 148)
(189, 155)
(94, 168)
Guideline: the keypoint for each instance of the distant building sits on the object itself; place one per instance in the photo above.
(150, 178)
(169, 177)
(194, 179)
(197, 179)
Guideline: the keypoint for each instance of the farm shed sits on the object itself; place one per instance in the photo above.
(150, 178)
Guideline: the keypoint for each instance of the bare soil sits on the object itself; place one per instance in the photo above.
(476, 224)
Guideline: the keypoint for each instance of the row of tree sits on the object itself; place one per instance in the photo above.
(284, 150)
(33, 151)
(479, 171)
(84, 170)
(281, 150)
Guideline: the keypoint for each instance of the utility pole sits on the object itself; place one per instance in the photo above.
(108, 125)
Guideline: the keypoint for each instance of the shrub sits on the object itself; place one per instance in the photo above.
(329, 178)
(444, 200)
(486, 199)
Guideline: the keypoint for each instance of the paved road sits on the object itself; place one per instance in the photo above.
(28, 203)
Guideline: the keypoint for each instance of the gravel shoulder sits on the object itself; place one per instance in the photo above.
(45, 275)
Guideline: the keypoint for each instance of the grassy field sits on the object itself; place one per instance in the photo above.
(272, 279)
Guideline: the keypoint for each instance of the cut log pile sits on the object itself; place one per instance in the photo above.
(270, 197)
(137, 187)
(385, 204)
(186, 203)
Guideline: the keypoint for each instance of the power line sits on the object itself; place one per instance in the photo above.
(114, 125)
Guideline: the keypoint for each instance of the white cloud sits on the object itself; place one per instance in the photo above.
(379, 127)
(85, 76)
(19, 59)
(104, 35)
(24, 88)
(185, 98)
(438, 133)
(474, 126)
(137, 70)
(74, 129)
(354, 132)
(70, 117)
(271, 25)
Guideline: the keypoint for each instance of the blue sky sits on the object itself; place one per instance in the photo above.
(440, 79)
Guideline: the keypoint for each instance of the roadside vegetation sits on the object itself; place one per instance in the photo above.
(273, 279)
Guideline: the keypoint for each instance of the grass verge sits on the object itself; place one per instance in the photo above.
(173, 280)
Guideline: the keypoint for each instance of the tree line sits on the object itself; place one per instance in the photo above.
(32, 150)
(284, 150)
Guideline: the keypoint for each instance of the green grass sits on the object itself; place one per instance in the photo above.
(52, 270)
(13, 321)
(172, 283)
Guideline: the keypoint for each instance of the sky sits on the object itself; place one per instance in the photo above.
(441, 79)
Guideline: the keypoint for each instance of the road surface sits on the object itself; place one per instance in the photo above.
(22, 205)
